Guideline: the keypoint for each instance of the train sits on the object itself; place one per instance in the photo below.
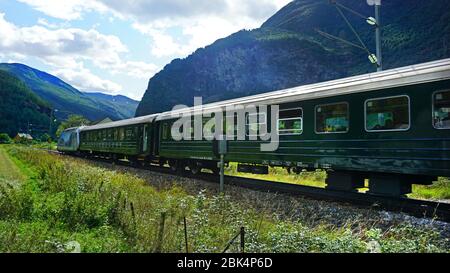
(385, 130)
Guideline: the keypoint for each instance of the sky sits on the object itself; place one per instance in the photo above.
(116, 46)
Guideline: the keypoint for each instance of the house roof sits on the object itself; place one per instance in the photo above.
(23, 135)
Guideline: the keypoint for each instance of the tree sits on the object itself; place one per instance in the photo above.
(5, 139)
(46, 138)
(72, 121)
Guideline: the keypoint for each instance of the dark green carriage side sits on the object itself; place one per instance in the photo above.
(183, 149)
(418, 149)
(129, 140)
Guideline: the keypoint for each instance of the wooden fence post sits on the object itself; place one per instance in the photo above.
(160, 233)
(242, 240)
(185, 235)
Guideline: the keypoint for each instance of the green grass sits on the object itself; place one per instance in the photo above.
(439, 190)
(9, 172)
(60, 200)
(278, 174)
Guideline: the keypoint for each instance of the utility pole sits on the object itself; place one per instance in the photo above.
(51, 121)
(375, 59)
(222, 149)
(378, 34)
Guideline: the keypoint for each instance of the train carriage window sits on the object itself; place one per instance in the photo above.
(165, 131)
(209, 126)
(253, 122)
(387, 114)
(230, 128)
(121, 134)
(129, 134)
(290, 122)
(190, 129)
(332, 118)
(441, 110)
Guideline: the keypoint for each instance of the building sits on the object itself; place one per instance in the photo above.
(23, 137)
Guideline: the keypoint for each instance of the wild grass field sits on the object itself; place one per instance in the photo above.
(48, 201)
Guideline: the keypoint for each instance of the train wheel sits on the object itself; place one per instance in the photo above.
(174, 166)
(162, 162)
(216, 171)
(195, 168)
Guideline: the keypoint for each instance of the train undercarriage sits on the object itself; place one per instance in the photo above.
(383, 184)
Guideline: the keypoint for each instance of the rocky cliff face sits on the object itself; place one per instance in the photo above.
(286, 51)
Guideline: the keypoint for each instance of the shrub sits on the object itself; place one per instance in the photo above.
(5, 139)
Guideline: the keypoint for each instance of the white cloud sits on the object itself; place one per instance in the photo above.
(45, 23)
(175, 27)
(202, 21)
(68, 44)
(66, 49)
(65, 9)
(84, 80)
(138, 70)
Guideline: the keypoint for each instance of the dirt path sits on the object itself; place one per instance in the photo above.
(9, 172)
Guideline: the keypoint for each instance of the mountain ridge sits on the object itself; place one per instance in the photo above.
(287, 51)
(21, 109)
(67, 99)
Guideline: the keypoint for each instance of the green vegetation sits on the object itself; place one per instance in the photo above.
(46, 138)
(20, 107)
(278, 174)
(72, 121)
(5, 139)
(60, 200)
(69, 100)
(439, 190)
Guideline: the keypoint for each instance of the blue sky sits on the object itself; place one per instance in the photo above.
(116, 46)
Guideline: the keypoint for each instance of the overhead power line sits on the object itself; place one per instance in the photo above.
(375, 59)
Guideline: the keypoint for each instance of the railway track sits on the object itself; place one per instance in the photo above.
(419, 208)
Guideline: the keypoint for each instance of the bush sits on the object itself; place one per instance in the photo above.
(46, 138)
(5, 139)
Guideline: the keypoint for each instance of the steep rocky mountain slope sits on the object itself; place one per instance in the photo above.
(287, 51)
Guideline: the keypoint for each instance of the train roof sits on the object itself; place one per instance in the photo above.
(403, 76)
(120, 123)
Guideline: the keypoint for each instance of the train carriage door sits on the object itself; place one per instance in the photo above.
(145, 139)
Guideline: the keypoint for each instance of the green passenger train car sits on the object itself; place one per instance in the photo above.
(388, 126)
(131, 138)
(391, 127)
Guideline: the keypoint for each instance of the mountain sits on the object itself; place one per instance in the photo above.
(119, 105)
(286, 51)
(69, 100)
(20, 108)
